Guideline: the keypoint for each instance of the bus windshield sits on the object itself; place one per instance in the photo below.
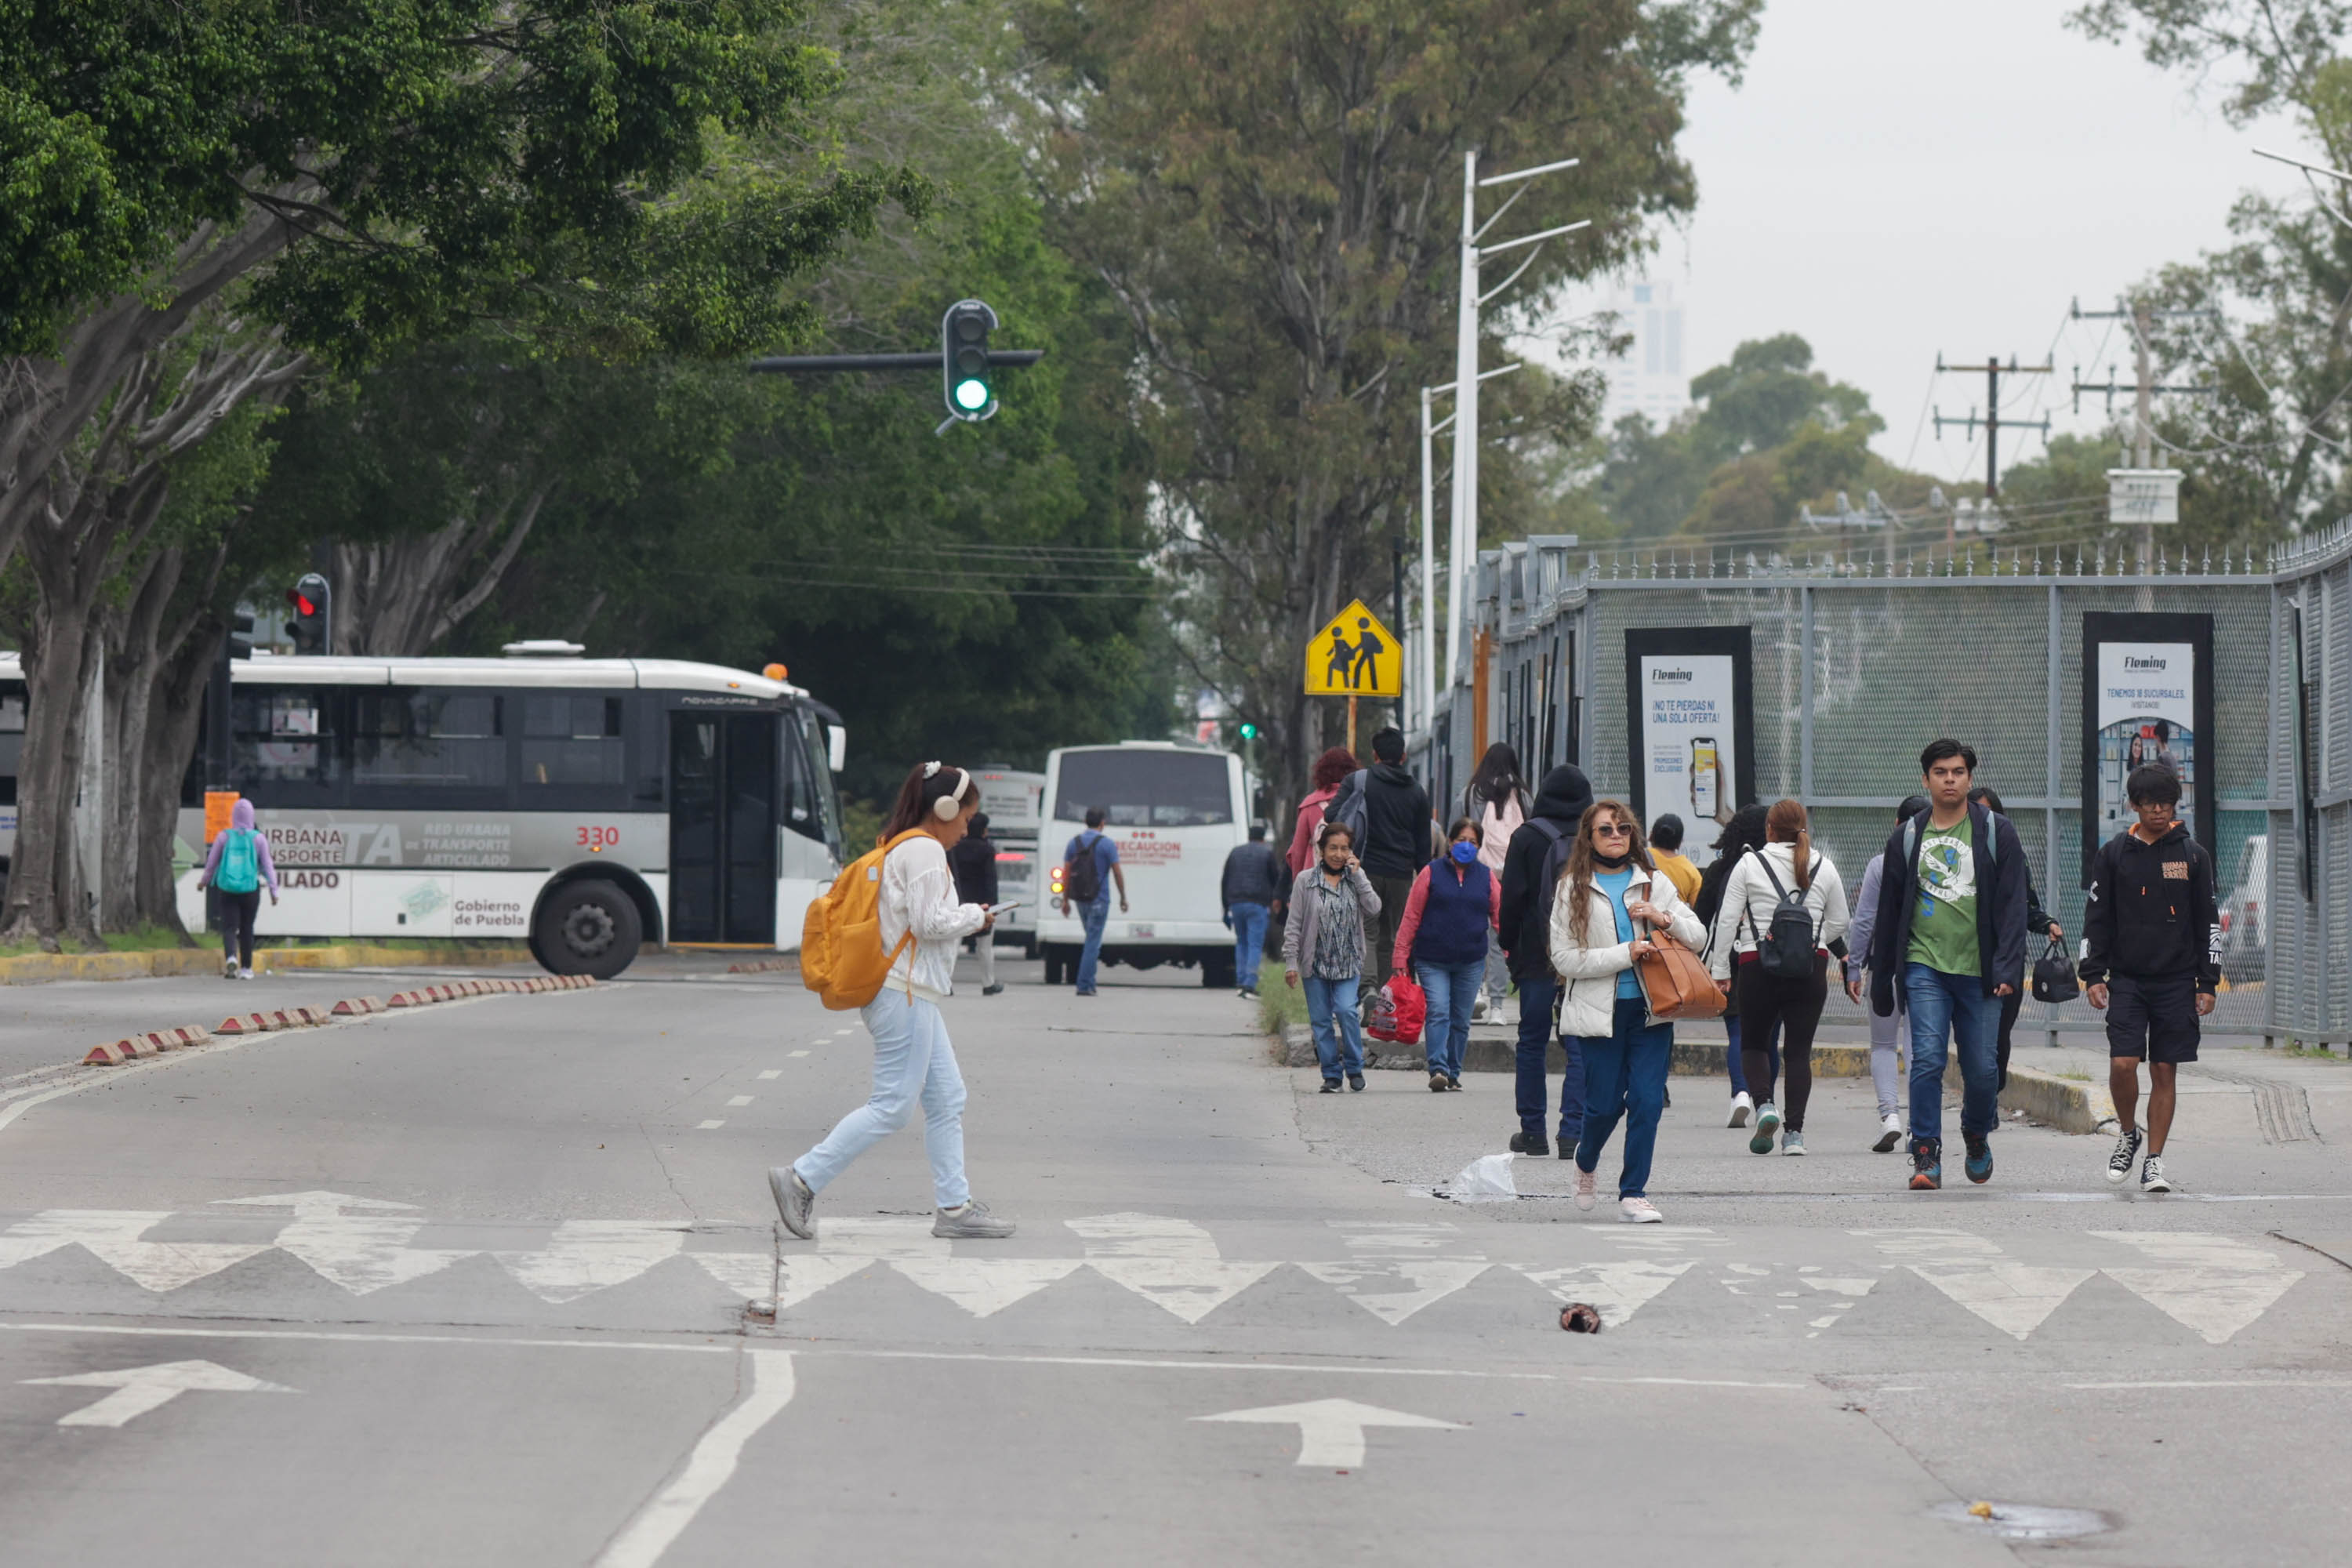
(1145, 788)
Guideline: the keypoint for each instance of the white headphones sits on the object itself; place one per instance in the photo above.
(948, 804)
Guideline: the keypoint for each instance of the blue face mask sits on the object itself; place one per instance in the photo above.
(1465, 852)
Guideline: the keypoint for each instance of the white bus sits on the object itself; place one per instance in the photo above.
(585, 804)
(1175, 809)
(1015, 804)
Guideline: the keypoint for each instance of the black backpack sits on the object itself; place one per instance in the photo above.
(1350, 809)
(1081, 872)
(1786, 947)
(1547, 885)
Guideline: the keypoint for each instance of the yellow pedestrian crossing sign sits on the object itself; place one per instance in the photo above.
(1355, 655)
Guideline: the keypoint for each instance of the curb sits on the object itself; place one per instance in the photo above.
(114, 1053)
(1692, 1058)
(2067, 1104)
(39, 968)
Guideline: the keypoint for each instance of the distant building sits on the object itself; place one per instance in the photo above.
(1649, 379)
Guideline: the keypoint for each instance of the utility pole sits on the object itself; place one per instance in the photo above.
(2144, 390)
(1426, 696)
(1993, 422)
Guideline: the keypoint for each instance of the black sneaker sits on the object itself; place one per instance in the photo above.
(1330, 1086)
(1453, 1083)
(1356, 1082)
(1530, 1143)
(991, 990)
(2119, 1163)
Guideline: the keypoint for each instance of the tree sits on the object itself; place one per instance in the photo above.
(1270, 193)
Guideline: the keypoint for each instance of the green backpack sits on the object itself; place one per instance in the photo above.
(240, 864)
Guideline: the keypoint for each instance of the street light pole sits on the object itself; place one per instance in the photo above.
(1425, 664)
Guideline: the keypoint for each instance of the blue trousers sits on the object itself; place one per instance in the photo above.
(1943, 1005)
(1535, 998)
(1338, 1027)
(1452, 988)
(1248, 922)
(1092, 916)
(1625, 1074)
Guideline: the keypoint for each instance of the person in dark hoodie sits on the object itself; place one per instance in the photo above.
(2154, 963)
(1396, 844)
(1951, 932)
(1526, 920)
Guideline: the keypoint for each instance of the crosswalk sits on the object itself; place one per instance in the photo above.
(1806, 1284)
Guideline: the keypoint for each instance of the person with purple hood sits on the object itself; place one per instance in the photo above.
(239, 866)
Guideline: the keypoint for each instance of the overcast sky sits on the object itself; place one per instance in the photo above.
(1900, 177)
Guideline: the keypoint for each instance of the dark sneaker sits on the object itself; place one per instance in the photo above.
(1530, 1143)
(1330, 1086)
(1437, 1083)
(794, 1201)
(2119, 1163)
(991, 990)
(1356, 1082)
(1453, 1083)
(2151, 1175)
(1927, 1164)
(1979, 1161)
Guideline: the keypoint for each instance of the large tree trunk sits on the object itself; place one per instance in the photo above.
(398, 597)
(160, 650)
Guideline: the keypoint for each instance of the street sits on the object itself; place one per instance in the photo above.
(495, 1257)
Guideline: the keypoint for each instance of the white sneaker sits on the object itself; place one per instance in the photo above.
(1890, 1133)
(1479, 1010)
(1638, 1211)
(1740, 1108)
(1585, 1198)
(245, 974)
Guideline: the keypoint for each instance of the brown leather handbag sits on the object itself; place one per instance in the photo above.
(1675, 982)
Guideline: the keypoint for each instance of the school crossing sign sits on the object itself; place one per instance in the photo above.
(1355, 655)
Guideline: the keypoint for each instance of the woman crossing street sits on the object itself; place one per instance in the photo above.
(1455, 907)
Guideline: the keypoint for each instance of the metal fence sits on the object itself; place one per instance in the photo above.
(1859, 660)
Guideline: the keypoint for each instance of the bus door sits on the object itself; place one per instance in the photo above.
(722, 827)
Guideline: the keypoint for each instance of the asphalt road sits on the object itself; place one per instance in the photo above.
(470, 1286)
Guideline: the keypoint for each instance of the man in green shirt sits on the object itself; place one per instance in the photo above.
(1952, 936)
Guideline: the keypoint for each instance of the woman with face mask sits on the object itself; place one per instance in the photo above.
(1455, 902)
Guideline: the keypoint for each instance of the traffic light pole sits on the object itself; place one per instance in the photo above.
(801, 364)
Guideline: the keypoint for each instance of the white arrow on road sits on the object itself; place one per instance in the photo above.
(139, 1389)
(364, 1251)
(1331, 1431)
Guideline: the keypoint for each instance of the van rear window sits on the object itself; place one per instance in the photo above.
(1145, 788)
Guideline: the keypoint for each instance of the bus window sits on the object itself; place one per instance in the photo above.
(12, 738)
(1146, 788)
(427, 739)
(281, 735)
(570, 738)
(808, 804)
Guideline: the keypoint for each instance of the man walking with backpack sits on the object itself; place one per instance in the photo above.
(1392, 833)
(1531, 868)
(2154, 961)
(1089, 866)
(239, 866)
(1253, 885)
(1950, 941)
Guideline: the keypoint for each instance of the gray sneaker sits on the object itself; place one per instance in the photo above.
(1792, 1141)
(794, 1201)
(971, 1223)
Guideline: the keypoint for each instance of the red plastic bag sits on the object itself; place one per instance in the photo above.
(1398, 1011)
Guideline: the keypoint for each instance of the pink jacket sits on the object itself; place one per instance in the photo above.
(1310, 817)
(1409, 923)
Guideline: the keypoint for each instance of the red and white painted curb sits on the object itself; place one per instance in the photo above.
(114, 1053)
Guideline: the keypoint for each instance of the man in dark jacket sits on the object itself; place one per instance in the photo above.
(1559, 805)
(972, 864)
(2155, 959)
(1951, 932)
(1396, 842)
(1255, 882)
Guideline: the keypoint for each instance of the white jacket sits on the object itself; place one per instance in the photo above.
(919, 893)
(1588, 973)
(1749, 891)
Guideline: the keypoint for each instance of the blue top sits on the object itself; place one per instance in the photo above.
(1614, 884)
(1106, 854)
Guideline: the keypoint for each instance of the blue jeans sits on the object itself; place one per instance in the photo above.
(1093, 915)
(1249, 942)
(1452, 988)
(1625, 1074)
(1536, 997)
(912, 1058)
(1940, 1003)
(1330, 1002)
(1738, 1071)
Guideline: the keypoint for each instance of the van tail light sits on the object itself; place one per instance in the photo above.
(1057, 881)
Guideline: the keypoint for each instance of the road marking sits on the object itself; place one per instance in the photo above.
(986, 1286)
(708, 1126)
(838, 1033)
(1142, 1235)
(113, 1237)
(1171, 1263)
(869, 1236)
(1620, 1288)
(2217, 1285)
(661, 1522)
(139, 1389)
(779, 1072)
(2297, 1384)
(1331, 1431)
(585, 1255)
(2015, 1297)
(362, 1252)
(1425, 1280)
(739, 1101)
(773, 1075)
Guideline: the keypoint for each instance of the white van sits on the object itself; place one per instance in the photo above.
(1175, 810)
(1015, 804)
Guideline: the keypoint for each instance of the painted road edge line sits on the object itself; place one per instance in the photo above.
(657, 1525)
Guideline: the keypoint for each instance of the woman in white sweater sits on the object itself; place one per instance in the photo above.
(923, 925)
(1786, 866)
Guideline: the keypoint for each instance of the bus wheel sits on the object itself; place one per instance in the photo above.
(587, 928)
(1052, 964)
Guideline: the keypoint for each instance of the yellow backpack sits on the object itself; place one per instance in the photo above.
(841, 940)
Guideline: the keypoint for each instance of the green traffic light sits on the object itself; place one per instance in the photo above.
(971, 395)
(1249, 732)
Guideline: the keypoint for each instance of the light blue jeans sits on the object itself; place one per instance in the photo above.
(1248, 922)
(1092, 917)
(1338, 1027)
(912, 1058)
(1452, 988)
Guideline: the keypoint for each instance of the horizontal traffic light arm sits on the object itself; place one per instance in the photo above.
(928, 359)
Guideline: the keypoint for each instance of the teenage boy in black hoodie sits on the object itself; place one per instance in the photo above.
(1559, 807)
(1396, 845)
(2155, 958)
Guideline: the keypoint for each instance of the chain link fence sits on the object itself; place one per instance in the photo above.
(1858, 662)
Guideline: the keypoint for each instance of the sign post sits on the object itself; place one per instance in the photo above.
(1355, 655)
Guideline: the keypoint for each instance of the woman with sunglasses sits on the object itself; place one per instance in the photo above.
(1612, 897)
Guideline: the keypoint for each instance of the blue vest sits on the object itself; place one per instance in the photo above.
(1456, 916)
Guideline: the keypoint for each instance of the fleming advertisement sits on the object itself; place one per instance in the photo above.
(1689, 726)
(2148, 700)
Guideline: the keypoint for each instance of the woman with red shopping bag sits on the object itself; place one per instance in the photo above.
(1442, 942)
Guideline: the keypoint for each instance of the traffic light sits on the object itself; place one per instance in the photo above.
(964, 360)
(1249, 732)
(307, 626)
(240, 633)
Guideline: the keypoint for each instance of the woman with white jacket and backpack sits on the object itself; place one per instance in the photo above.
(1786, 871)
(1609, 899)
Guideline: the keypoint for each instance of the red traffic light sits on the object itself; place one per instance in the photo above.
(302, 606)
